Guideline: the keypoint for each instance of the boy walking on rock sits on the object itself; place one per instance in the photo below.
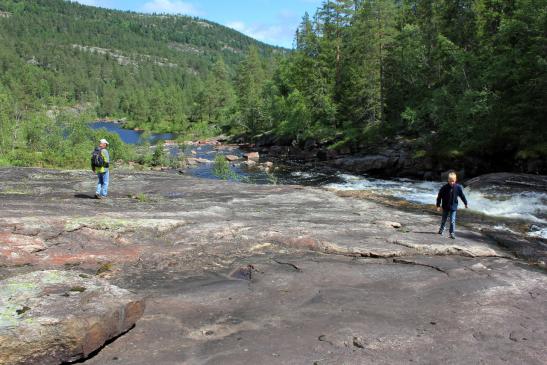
(448, 199)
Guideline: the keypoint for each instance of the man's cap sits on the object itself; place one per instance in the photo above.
(103, 141)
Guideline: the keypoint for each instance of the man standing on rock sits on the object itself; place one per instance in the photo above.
(100, 161)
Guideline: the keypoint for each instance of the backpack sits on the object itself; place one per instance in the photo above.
(97, 159)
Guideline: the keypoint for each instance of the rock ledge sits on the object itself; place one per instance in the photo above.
(50, 317)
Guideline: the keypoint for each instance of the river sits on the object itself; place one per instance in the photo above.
(130, 136)
(529, 207)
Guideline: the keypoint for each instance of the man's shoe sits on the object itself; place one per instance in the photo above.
(453, 236)
(440, 232)
(97, 196)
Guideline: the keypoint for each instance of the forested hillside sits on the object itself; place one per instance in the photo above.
(151, 70)
(63, 64)
(456, 78)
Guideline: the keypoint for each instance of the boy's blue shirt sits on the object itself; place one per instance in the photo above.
(443, 198)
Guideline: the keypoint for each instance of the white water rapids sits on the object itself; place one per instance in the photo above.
(528, 206)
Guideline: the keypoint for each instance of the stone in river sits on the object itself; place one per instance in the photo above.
(231, 158)
(252, 156)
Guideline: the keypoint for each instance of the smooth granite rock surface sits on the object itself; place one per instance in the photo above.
(236, 273)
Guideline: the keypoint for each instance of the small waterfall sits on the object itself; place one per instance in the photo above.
(528, 206)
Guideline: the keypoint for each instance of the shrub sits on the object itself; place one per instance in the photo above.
(221, 168)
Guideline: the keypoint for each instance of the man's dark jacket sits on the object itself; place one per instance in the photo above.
(448, 195)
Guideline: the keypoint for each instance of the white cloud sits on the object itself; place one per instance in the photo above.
(279, 34)
(237, 25)
(170, 7)
(89, 2)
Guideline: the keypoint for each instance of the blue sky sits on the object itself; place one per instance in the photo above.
(270, 21)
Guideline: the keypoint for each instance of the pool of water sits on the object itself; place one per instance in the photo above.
(130, 136)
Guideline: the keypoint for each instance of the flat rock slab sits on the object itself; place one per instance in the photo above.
(50, 317)
(331, 309)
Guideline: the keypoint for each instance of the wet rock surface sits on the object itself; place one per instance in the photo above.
(509, 181)
(275, 274)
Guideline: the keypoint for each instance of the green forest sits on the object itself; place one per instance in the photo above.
(455, 78)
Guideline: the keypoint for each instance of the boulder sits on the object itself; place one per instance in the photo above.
(299, 154)
(249, 164)
(252, 156)
(192, 161)
(231, 158)
(266, 166)
(365, 163)
(310, 143)
(279, 150)
(266, 139)
(509, 181)
(51, 317)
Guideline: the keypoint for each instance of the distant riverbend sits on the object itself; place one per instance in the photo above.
(131, 136)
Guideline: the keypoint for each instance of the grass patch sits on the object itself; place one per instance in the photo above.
(79, 289)
(142, 198)
(22, 310)
(106, 267)
(222, 170)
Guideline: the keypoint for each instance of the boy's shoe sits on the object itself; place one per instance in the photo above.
(440, 232)
(97, 196)
(453, 236)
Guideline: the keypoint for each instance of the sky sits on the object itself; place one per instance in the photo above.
(270, 21)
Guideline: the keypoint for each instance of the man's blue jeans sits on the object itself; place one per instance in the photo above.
(452, 215)
(102, 186)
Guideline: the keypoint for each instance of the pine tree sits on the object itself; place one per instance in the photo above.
(250, 81)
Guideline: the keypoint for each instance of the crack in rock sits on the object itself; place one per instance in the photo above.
(288, 264)
(409, 262)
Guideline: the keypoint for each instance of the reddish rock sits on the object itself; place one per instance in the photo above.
(195, 161)
(91, 257)
(252, 156)
(18, 249)
(231, 158)
(21, 243)
(51, 317)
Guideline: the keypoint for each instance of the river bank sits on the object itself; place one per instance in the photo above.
(517, 202)
(270, 274)
(398, 158)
